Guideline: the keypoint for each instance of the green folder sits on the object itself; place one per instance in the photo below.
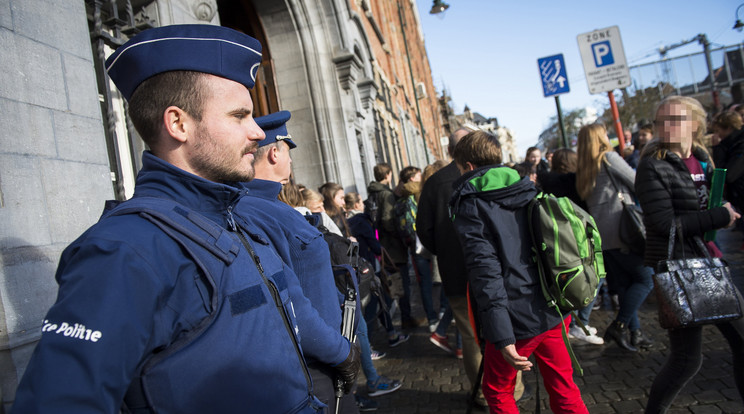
(715, 199)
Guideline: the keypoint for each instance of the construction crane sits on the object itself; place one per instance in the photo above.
(703, 40)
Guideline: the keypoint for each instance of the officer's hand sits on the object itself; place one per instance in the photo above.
(349, 369)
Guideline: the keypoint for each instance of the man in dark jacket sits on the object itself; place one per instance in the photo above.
(385, 222)
(436, 232)
(489, 208)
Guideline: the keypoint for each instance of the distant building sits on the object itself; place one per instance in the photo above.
(505, 135)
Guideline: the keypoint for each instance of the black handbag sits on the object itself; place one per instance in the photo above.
(694, 291)
(632, 231)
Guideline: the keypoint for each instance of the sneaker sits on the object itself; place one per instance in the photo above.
(382, 386)
(398, 340)
(441, 342)
(433, 326)
(365, 404)
(578, 333)
(458, 353)
(377, 355)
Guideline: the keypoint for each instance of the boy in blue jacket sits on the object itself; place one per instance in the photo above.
(489, 208)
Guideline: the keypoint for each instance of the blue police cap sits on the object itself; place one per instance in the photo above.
(204, 48)
(274, 125)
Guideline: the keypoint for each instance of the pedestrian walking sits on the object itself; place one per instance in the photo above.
(673, 185)
(605, 181)
(489, 206)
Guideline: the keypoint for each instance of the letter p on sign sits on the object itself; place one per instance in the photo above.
(602, 54)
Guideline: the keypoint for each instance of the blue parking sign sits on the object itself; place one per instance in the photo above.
(553, 75)
(602, 52)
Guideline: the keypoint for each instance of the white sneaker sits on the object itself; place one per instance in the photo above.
(578, 333)
(592, 330)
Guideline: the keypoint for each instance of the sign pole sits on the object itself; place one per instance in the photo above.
(560, 121)
(616, 119)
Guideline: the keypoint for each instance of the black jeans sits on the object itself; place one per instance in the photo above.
(685, 359)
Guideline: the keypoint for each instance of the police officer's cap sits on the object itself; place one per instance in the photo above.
(203, 48)
(274, 125)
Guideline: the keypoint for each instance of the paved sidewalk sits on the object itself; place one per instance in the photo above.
(615, 381)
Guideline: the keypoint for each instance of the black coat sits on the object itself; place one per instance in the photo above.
(490, 215)
(561, 185)
(385, 222)
(437, 233)
(729, 154)
(361, 228)
(666, 192)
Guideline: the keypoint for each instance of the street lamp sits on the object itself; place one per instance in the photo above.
(738, 25)
(440, 6)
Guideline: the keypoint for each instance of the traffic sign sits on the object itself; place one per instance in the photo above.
(604, 60)
(553, 75)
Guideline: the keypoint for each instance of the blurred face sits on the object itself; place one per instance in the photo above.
(534, 157)
(675, 125)
(338, 199)
(359, 206)
(417, 177)
(222, 145)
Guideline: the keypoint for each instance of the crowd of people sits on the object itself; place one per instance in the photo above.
(224, 285)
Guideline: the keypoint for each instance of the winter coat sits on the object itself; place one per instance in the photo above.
(489, 206)
(361, 228)
(302, 247)
(385, 222)
(437, 233)
(561, 185)
(729, 154)
(666, 192)
(603, 202)
(130, 297)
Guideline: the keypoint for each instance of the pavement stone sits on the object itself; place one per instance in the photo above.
(614, 381)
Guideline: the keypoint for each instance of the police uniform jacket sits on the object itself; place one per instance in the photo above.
(302, 247)
(489, 207)
(130, 299)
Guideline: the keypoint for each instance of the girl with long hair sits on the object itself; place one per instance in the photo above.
(633, 280)
(673, 186)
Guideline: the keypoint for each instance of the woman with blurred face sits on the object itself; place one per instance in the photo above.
(673, 183)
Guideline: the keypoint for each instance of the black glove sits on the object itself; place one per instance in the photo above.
(348, 370)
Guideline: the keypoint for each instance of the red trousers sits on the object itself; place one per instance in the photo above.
(499, 378)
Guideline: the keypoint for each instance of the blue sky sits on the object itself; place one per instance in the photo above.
(485, 51)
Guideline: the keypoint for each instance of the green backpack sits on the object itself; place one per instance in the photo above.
(568, 252)
(405, 216)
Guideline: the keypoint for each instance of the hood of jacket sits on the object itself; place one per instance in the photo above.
(377, 187)
(410, 188)
(499, 184)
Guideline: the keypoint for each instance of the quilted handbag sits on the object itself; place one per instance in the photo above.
(694, 291)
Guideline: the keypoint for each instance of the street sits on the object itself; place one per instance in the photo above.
(614, 381)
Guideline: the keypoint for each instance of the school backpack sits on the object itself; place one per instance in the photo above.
(568, 253)
(405, 218)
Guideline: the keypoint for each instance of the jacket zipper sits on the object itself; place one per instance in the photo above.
(274, 295)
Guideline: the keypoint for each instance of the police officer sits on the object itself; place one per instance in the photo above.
(180, 309)
(298, 243)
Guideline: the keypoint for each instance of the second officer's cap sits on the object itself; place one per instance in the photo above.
(274, 125)
(216, 50)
